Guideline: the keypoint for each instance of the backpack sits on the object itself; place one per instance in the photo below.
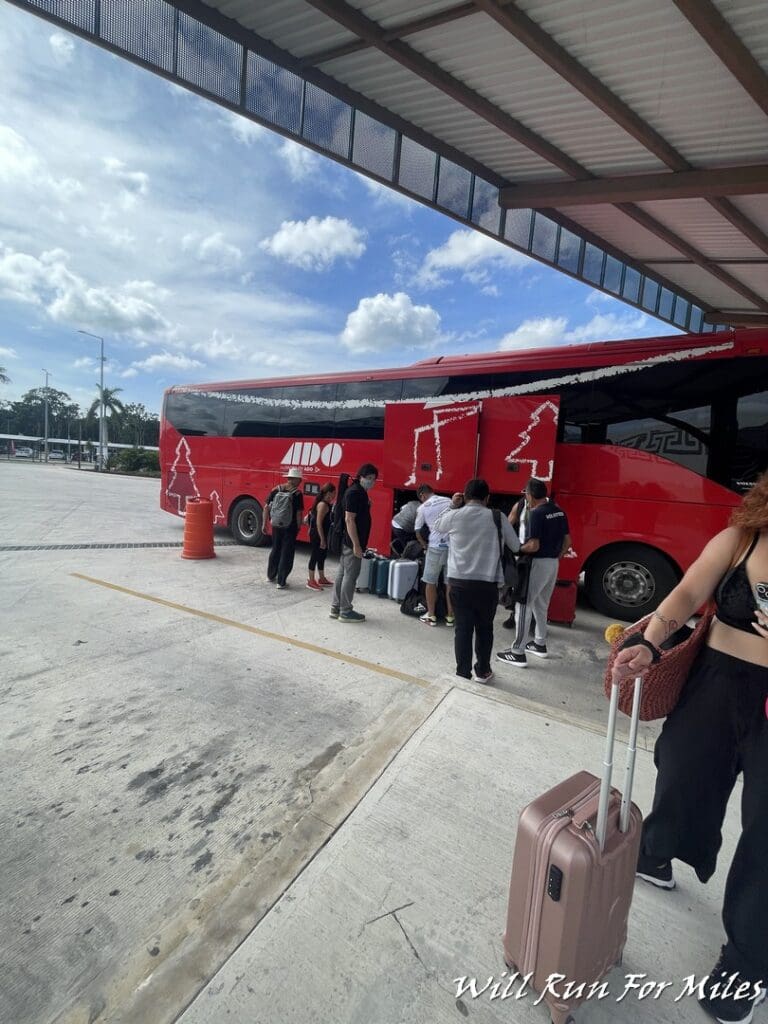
(281, 508)
(335, 531)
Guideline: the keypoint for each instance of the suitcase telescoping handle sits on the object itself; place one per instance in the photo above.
(629, 775)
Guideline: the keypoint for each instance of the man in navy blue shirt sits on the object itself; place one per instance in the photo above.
(547, 540)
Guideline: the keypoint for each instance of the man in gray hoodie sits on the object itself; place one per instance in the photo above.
(474, 575)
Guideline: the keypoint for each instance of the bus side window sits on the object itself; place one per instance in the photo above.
(246, 416)
(305, 421)
(365, 421)
(195, 414)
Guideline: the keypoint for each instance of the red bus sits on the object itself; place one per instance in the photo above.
(647, 444)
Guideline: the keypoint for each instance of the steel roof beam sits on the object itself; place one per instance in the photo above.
(727, 47)
(427, 70)
(639, 188)
(736, 319)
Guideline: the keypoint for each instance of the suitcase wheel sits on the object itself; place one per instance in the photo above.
(510, 966)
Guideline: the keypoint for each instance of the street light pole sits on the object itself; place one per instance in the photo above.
(45, 442)
(98, 337)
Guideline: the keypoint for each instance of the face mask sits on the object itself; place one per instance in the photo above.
(367, 482)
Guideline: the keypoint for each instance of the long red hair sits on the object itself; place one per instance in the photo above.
(752, 513)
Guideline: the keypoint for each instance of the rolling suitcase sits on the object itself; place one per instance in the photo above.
(364, 579)
(381, 587)
(402, 577)
(572, 880)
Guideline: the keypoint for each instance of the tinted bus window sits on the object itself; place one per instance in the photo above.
(308, 422)
(365, 422)
(670, 440)
(194, 414)
(424, 387)
(246, 418)
(750, 458)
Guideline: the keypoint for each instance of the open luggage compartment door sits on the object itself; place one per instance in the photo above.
(429, 443)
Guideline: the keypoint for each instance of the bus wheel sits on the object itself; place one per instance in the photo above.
(628, 581)
(246, 522)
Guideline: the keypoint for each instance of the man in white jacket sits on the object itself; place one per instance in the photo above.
(474, 575)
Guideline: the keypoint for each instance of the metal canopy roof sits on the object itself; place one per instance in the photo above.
(625, 144)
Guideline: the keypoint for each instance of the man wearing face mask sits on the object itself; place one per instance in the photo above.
(356, 506)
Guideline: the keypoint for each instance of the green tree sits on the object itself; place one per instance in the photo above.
(112, 404)
(4, 378)
(138, 426)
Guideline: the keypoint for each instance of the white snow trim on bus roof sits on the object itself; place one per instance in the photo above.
(533, 387)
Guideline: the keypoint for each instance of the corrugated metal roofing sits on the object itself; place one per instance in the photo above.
(452, 109)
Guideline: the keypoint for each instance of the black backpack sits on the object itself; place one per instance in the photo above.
(335, 531)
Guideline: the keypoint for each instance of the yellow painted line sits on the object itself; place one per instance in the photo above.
(348, 659)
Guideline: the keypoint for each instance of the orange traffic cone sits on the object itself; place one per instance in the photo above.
(198, 529)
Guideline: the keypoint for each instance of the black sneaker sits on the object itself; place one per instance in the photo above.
(657, 872)
(509, 622)
(730, 997)
(334, 613)
(540, 650)
(512, 658)
(351, 616)
(481, 677)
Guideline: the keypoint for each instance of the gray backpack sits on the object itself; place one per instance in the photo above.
(281, 509)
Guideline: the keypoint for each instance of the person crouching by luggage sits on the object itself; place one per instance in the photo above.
(436, 548)
(404, 527)
(319, 525)
(718, 730)
(548, 540)
(474, 576)
(285, 505)
(356, 509)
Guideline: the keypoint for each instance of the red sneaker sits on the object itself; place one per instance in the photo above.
(311, 585)
(325, 582)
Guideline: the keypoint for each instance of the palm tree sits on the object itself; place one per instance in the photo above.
(4, 378)
(112, 407)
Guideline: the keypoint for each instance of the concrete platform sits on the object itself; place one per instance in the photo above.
(196, 765)
(410, 895)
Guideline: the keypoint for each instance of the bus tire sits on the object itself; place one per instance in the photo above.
(628, 581)
(246, 522)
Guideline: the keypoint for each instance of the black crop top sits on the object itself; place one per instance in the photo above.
(735, 600)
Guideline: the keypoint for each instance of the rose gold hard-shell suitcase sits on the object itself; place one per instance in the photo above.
(572, 880)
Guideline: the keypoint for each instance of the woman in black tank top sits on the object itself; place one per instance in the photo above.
(718, 730)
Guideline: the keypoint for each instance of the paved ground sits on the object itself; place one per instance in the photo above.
(196, 765)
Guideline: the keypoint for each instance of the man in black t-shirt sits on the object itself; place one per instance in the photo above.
(547, 540)
(356, 508)
(285, 506)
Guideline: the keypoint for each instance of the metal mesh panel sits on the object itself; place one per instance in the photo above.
(593, 263)
(544, 242)
(697, 319)
(568, 251)
(486, 212)
(81, 13)
(327, 121)
(612, 279)
(517, 228)
(650, 295)
(453, 188)
(373, 146)
(143, 28)
(273, 94)
(666, 302)
(209, 60)
(631, 289)
(682, 307)
(417, 168)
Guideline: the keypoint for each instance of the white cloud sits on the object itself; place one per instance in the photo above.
(384, 322)
(21, 167)
(63, 48)
(535, 333)
(315, 244)
(382, 195)
(245, 131)
(163, 360)
(8, 353)
(133, 184)
(274, 361)
(302, 163)
(83, 364)
(213, 250)
(541, 332)
(219, 346)
(472, 254)
(48, 283)
(130, 372)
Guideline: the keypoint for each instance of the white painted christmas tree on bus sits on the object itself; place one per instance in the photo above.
(541, 422)
(181, 479)
(218, 511)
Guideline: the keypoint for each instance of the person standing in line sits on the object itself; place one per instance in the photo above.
(548, 540)
(285, 505)
(356, 509)
(518, 520)
(319, 524)
(436, 547)
(474, 575)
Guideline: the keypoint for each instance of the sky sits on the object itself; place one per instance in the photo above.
(203, 247)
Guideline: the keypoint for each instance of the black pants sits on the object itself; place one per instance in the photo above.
(281, 556)
(718, 729)
(474, 606)
(316, 556)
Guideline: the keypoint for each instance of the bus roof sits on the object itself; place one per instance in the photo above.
(749, 341)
